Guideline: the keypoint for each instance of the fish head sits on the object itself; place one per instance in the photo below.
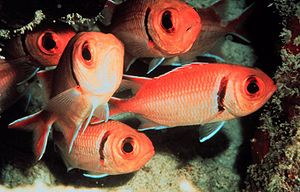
(173, 26)
(97, 62)
(47, 45)
(248, 90)
(125, 150)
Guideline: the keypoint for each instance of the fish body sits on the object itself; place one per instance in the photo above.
(154, 28)
(197, 94)
(43, 46)
(12, 73)
(89, 72)
(111, 148)
(213, 31)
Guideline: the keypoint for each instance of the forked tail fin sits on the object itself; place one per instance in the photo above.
(40, 124)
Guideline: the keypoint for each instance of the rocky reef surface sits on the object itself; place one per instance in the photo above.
(256, 153)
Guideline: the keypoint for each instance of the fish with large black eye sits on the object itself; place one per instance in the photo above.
(197, 93)
(42, 46)
(213, 31)
(154, 28)
(105, 149)
(89, 72)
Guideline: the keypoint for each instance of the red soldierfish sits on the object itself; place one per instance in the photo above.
(43, 46)
(88, 73)
(196, 94)
(213, 32)
(107, 148)
(12, 75)
(155, 28)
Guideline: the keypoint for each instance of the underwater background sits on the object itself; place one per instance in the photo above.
(259, 152)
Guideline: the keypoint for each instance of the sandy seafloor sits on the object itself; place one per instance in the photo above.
(181, 163)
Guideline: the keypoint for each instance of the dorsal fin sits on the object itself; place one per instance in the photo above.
(235, 23)
(211, 13)
(182, 69)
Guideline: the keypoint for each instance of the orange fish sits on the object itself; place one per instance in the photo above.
(13, 74)
(195, 94)
(89, 72)
(43, 46)
(155, 28)
(213, 32)
(106, 149)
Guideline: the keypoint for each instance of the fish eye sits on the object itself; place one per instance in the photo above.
(48, 41)
(86, 53)
(166, 21)
(127, 145)
(252, 86)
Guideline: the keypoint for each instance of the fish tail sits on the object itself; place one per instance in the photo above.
(234, 26)
(40, 124)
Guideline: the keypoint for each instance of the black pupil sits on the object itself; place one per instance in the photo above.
(127, 147)
(166, 21)
(86, 54)
(252, 88)
(48, 42)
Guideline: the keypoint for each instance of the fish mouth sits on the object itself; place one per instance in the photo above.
(109, 71)
(272, 91)
(147, 156)
(111, 64)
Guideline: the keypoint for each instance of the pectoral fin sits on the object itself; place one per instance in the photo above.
(207, 131)
(73, 109)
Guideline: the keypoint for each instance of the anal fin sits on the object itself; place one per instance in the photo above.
(207, 131)
(95, 175)
(149, 125)
(155, 62)
(213, 57)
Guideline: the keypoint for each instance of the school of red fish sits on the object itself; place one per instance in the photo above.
(87, 120)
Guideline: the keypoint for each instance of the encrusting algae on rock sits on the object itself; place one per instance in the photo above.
(279, 168)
